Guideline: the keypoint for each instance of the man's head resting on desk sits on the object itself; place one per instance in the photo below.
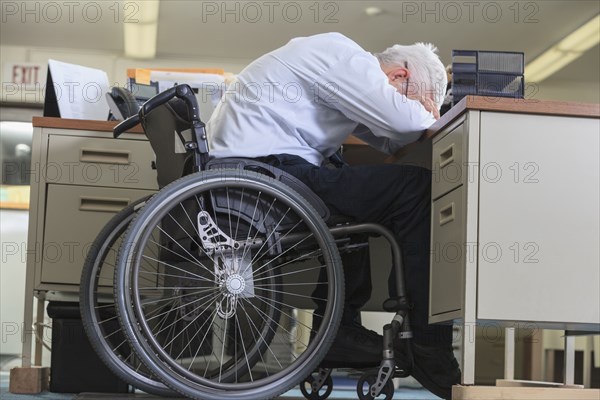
(415, 71)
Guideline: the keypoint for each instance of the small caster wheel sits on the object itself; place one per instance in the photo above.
(363, 387)
(313, 393)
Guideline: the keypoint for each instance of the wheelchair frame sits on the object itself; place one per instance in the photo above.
(191, 132)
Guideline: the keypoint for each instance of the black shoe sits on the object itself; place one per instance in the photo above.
(354, 347)
(435, 368)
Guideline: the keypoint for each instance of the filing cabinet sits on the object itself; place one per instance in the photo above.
(449, 175)
(449, 168)
(502, 209)
(447, 250)
(514, 218)
(94, 161)
(66, 244)
(80, 178)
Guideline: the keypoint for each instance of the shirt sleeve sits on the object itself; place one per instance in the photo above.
(383, 144)
(359, 89)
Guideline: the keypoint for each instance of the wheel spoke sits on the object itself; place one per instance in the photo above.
(204, 313)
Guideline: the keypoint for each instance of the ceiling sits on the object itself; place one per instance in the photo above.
(246, 29)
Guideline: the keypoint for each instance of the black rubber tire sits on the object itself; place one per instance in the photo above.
(368, 379)
(99, 321)
(310, 394)
(134, 261)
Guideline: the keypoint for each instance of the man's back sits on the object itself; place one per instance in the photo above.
(298, 104)
(280, 102)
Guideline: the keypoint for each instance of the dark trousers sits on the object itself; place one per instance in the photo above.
(396, 196)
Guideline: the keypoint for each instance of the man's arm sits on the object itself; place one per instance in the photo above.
(359, 89)
(383, 144)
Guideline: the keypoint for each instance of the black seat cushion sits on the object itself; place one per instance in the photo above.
(276, 173)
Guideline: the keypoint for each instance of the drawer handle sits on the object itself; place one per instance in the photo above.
(447, 214)
(447, 156)
(104, 156)
(102, 204)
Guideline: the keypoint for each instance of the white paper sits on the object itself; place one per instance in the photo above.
(195, 80)
(210, 87)
(80, 91)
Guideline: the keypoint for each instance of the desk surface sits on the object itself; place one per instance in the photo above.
(521, 106)
(107, 126)
(79, 124)
(500, 104)
(524, 106)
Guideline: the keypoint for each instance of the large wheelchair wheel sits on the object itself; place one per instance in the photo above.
(97, 306)
(212, 274)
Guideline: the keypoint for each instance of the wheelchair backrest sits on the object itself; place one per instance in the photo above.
(165, 131)
(166, 127)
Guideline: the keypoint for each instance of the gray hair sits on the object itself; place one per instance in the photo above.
(425, 66)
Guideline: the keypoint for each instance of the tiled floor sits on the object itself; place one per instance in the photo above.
(344, 390)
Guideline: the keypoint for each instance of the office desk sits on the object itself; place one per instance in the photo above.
(80, 177)
(506, 208)
(515, 220)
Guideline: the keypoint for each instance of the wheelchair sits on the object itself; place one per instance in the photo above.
(218, 274)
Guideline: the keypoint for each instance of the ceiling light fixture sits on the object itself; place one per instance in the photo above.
(564, 52)
(140, 31)
(373, 11)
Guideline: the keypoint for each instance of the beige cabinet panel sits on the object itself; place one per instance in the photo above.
(538, 219)
(89, 161)
(76, 216)
(448, 169)
(448, 251)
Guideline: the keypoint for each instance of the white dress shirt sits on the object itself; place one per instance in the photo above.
(307, 97)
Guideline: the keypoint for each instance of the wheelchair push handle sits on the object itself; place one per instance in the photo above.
(126, 125)
(183, 92)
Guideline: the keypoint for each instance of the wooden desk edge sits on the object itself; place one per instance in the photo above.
(521, 106)
(500, 104)
(79, 124)
(107, 126)
(522, 393)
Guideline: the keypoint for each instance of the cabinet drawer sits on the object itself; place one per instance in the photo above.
(100, 162)
(448, 164)
(448, 251)
(75, 215)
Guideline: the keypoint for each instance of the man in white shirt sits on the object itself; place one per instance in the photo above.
(294, 107)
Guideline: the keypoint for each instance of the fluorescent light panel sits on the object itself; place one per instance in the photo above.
(564, 52)
(140, 36)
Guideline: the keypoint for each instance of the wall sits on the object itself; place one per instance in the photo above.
(12, 279)
(579, 91)
(113, 64)
(116, 66)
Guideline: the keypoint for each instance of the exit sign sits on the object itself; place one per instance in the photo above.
(25, 74)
